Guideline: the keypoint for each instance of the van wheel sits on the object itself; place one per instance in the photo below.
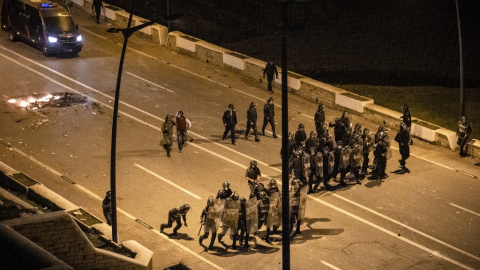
(12, 36)
(45, 51)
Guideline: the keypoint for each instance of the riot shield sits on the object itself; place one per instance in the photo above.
(319, 164)
(345, 157)
(273, 211)
(369, 142)
(356, 157)
(214, 216)
(389, 153)
(331, 162)
(252, 215)
(306, 164)
(303, 202)
(230, 216)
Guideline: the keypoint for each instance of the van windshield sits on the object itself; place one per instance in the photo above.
(59, 23)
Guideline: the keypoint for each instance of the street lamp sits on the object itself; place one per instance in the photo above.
(127, 32)
(462, 88)
(285, 174)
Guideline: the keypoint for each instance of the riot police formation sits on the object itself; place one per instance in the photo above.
(403, 139)
(269, 116)
(463, 132)
(176, 214)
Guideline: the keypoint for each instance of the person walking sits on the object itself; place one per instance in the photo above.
(167, 129)
(183, 124)
(176, 214)
(270, 70)
(107, 207)
(97, 7)
(407, 119)
(403, 139)
(252, 121)
(268, 116)
(229, 121)
(463, 132)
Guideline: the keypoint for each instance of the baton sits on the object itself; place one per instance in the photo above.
(200, 229)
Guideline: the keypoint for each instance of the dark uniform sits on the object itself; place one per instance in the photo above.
(176, 214)
(97, 5)
(380, 154)
(203, 220)
(339, 129)
(167, 129)
(295, 207)
(252, 174)
(242, 227)
(272, 187)
(268, 116)
(270, 70)
(107, 207)
(463, 132)
(298, 168)
(263, 207)
(300, 136)
(229, 121)
(319, 119)
(403, 138)
(407, 119)
(225, 192)
(366, 150)
(252, 121)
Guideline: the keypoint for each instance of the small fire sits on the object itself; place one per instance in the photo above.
(33, 103)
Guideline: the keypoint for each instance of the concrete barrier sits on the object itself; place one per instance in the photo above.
(159, 34)
(294, 80)
(352, 101)
(235, 60)
(78, 2)
(110, 12)
(424, 130)
(204, 51)
(121, 18)
(48, 197)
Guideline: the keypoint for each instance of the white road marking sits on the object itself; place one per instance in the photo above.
(157, 128)
(169, 182)
(150, 82)
(433, 252)
(406, 226)
(330, 265)
(98, 198)
(465, 209)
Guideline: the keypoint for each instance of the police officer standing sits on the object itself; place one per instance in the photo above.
(380, 154)
(252, 174)
(463, 132)
(403, 139)
(407, 119)
(319, 119)
(252, 121)
(167, 129)
(229, 121)
(225, 192)
(176, 214)
(268, 116)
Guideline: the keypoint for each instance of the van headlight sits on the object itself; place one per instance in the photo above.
(79, 38)
(52, 39)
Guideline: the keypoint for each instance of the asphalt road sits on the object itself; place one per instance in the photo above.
(427, 219)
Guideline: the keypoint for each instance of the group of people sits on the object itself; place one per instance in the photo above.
(230, 120)
(183, 124)
(321, 156)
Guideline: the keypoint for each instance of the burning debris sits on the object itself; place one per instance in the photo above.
(37, 102)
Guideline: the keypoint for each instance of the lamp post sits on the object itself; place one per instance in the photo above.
(462, 88)
(127, 32)
(285, 174)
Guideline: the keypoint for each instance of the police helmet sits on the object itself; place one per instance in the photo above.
(262, 195)
(253, 163)
(313, 133)
(463, 119)
(235, 196)
(226, 184)
(403, 126)
(230, 106)
(320, 106)
(301, 126)
(242, 200)
(270, 99)
(405, 108)
(366, 131)
(273, 183)
(185, 207)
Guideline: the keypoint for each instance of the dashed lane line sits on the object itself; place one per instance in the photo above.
(150, 82)
(465, 209)
(98, 198)
(168, 181)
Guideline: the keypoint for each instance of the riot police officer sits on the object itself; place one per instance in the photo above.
(300, 136)
(403, 139)
(380, 153)
(463, 132)
(176, 214)
(295, 208)
(407, 119)
(252, 174)
(225, 192)
(268, 116)
(319, 119)
(263, 207)
(298, 168)
(209, 223)
(252, 121)
(229, 121)
(272, 187)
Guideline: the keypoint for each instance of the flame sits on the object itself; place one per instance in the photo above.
(12, 100)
